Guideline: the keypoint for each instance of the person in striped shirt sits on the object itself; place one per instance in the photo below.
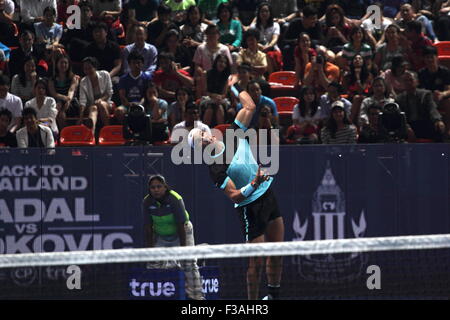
(359, 44)
(338, 129)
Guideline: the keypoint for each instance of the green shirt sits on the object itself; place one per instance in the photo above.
(231, 34)
(165, 215)
(179, 6)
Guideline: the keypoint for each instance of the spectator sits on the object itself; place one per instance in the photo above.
(207, 52)
(177, 109)
(26, 47)
(442, 20)
(436, 78)
(215, 105)
(407, 14)
(191, 120)
(23, 83)
(62, 6)
(44, 105)
(181, 54)
(303, 55)
(391, 7)
(357, 81)
(48, 31)
(373, 28)
(209, 7)
(230, 30)
(270, 33)
(141, 12)
(379, 97)
(389, 47)
(394, 75)
(33, 11)
(254, 90)
(34, 134)
(106, 52)
(63, 87)
(179, 8)
(10, 102)
(264, 127)
(357, 45)
(106, 10)
(319, 73)
(7, 26)
(168, 78)
(147, 50)
(338, 129)
(193, 30)
(132, 86)
(355, 9)
(158, 28)
(372, 132)
(252, 55)
(205, 55)
(308, 24)
(95, 93)
(157, 109)
(420, 109)
(333, 94)
(77, 40)
(246, 10)
(414, 43)
(335, 29)
(7, 139)
(305, 117)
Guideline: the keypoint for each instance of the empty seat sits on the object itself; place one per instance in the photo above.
(111, 136)
(78, 135)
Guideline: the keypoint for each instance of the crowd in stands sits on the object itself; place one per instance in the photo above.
(181, 60)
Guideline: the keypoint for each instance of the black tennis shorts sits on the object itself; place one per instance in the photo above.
(256, 215)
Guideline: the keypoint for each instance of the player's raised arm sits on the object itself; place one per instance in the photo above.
(245, 115)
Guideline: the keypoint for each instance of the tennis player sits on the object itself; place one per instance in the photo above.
(246, 184)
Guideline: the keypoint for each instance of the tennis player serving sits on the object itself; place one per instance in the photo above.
(246, 184)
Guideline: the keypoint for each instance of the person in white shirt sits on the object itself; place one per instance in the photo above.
(32, 11)
(11, 102)
(34, 134)
(181, 130)
(44, 105)
(95, 92)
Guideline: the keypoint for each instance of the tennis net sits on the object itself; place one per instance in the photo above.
(405, 267)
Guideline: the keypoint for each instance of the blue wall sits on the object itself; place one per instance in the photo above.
(322, 191)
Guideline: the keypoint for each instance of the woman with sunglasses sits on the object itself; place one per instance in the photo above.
(167, 224)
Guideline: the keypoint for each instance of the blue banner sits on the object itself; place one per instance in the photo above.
(90, 198)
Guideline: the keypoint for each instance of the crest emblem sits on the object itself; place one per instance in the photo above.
(328, 222)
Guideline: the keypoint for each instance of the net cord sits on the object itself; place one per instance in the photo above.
(221, 251)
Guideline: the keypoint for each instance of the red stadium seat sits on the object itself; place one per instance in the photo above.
(444, 61)
(443, 48)
(111, 136)
(285, 104)
(78, 135)
(222, 127)
(282, 83)
(285, 108)
(286, 78)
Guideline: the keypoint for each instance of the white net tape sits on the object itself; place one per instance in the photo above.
(227, 251)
